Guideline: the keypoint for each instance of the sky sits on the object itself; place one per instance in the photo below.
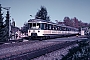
(21, 10)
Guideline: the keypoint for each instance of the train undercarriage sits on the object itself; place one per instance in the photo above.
(53, 36)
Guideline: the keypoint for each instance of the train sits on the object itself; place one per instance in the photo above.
(44, 29)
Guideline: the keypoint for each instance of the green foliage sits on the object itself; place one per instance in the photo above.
(80, 52)
(3, 34)
(4, 28)
(24, 29)
(42, 14)
(74, 22)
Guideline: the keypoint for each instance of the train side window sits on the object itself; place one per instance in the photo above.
(38, 24)
(67, 29)
(51, 27)
(60, 28)
(48, 26)
(44, 26)
(54, 27)
(64, 28)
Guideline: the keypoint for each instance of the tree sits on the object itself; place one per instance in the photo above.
(89, 25)
(48, 18)
(1, 27)
(4, 28)
(24, 29)
(75, 22)
(42, 14)
(67, 21)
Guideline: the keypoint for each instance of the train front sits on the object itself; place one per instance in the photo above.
(35, 30)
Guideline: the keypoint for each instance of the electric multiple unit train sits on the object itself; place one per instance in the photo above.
(39, 28)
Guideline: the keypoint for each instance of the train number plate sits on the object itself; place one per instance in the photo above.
(33, 30)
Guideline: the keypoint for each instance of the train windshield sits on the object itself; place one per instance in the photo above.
(42, 26)
(34, 26)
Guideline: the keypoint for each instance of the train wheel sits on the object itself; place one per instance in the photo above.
(29, 38)
(40, 38)
(48, 37)
(45, 37)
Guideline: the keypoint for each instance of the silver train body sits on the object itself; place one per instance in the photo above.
(47, 29)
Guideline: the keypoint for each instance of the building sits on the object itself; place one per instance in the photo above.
(14, 30)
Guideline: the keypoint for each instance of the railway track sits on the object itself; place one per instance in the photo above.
(34, 51)
(21, 48)
(30, 50)
(6, 45)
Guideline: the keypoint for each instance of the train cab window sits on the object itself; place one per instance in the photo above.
(30, 25)
(34, 24)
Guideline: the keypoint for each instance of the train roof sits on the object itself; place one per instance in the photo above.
(70, 27)
(36, 20)
(40, 21)
(48, 22)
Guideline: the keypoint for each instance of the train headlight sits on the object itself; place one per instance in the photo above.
(38, 31)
